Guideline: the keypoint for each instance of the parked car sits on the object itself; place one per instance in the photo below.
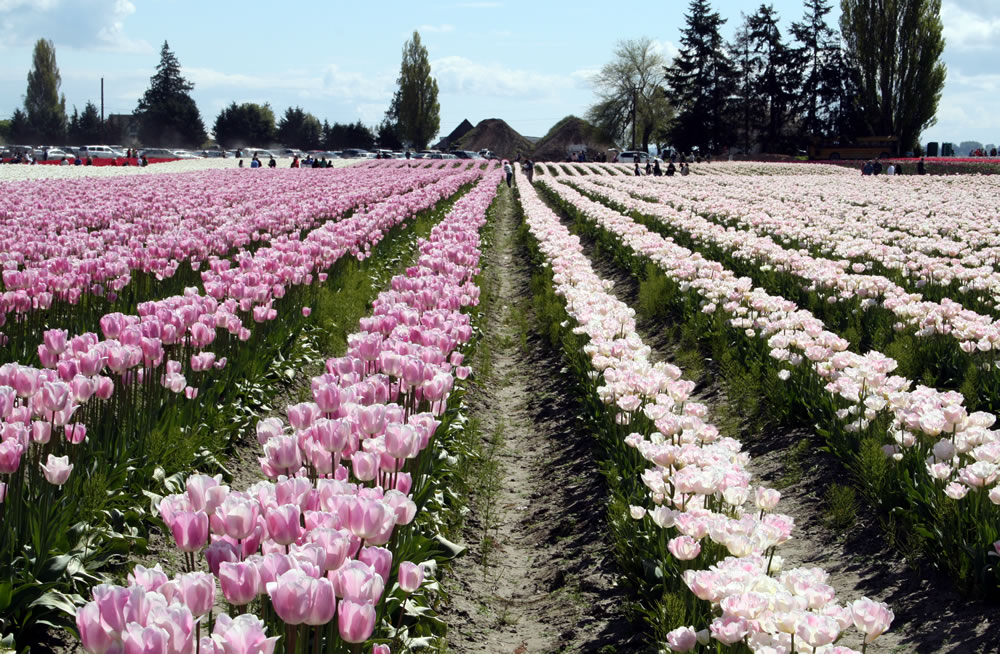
(185, 154)
(487, 154)
(44, 153)
(636, 156)
(289, 153)
(98, 152)
(157, 153)
(355, 153)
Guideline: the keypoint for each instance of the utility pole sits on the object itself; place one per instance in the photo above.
(103, 131)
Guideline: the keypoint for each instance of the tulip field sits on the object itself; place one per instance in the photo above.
(329, 324)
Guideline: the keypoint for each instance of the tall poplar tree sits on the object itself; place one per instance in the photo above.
(415, 109)
(45, 108)
(894, 48)
(168, 115)
(700, 82)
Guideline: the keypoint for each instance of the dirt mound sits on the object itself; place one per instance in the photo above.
(570, 133)
(496, 135)
(463, 128)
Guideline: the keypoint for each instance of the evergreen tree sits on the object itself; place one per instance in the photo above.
(415, 109)
(821, 100)
(45, 108)
(299, 129)
(20, 130)
(86, 128)
(387, 136)
(746, 106)
(243, 125)
(777, 76)
(167, 113)
(894, 48)
(700, 82)
(355, 135)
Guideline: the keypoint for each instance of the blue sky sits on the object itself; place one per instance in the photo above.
(527, 62)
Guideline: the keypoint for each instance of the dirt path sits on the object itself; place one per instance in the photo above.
(539, 576)
(931, 617)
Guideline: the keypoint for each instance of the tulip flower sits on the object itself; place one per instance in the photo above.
(355, 621)
(240, 582)
(57, 470)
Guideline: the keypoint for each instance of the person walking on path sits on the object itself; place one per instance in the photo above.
(509, 172)
(921, 168)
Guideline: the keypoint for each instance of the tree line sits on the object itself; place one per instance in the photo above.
(168, 116)
(878, 73)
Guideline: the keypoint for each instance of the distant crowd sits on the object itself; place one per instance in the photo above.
(874, 167)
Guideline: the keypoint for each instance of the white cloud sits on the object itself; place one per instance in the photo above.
(666, 49)
(330, 81)
(436, 29)
(79, 24)
(466, 77)
(970, 27)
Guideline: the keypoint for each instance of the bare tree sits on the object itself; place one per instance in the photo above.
(630, 97)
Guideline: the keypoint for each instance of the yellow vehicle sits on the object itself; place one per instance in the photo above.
(862, 147)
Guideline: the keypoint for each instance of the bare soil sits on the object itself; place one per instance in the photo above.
(539, 576)
(931, 616)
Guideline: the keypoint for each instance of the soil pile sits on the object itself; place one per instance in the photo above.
(570, 132)
(445, 143)
(496, 135)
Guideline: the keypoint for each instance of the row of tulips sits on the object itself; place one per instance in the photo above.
(955, 344)
(150, 381)
(947, 468)
(327, 550)
(709, 528)
(123, 241)
(937, 238)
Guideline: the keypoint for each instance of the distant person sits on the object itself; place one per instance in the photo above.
(877, 167)
(64, 162)
(143, 161)
(89, 161)
(685, 170)
(993, 152)
(272, 163)
(295, 162)
(890, 170)
(407, 154)
(329, 163)
(638, 173)
(255, 162)
(921, 168)
(529, 170)
(77, 161)
(240, 164)
(657, 171)
(671, 170)
(508, 171)
(867, 169)
(899, 169)
(649, 167)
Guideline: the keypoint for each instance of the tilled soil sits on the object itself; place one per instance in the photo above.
(931, 616)
(540, 576)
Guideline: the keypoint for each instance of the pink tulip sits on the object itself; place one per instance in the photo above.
(149, 578)
(682, 639)
(10, 456)
(284, 523)
(355, 621)
(190, 530)
(290, 596)
(197, 592)
(76, 433)
(322, 603)
(218, 553)
(95, 636)
(684, 548)
(364, 466)
(871, 617)
(240, 582)
(411, 576)
(379, 558)
(244, 634)
(57, 470)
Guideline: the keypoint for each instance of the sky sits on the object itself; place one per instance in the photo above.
(528, 62)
